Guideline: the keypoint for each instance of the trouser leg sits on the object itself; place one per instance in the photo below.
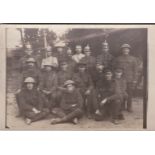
(58, 112)
(130, 94)
(91, 104)
(115, 107)
(77, 113)
(35, 117)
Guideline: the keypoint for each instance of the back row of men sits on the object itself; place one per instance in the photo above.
(69, 86)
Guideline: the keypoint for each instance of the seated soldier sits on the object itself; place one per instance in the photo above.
(110, 105)
(85, 86)
(31, 103)
(70, 109)
(48, 83)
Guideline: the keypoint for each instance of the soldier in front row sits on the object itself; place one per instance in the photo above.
(31, 103)
(85, 86)
(71, 105)
(112, 96)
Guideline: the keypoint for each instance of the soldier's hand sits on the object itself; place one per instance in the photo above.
(18, 91)
(36, 111)
(73, 105)
(87, 92)
(103, 102)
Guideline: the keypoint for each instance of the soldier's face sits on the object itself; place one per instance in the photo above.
(99, 67)
(105, 48)
(60, 49)
(125, 51)
(78, 50)
(48, 68)
(87, 53)
(82, 69)
(30, 64)
(29, 86)
(28, 52)
(49, 53)
(118, 75)
(108, 76)
(64, 67)
(69, 52)
(70, 87)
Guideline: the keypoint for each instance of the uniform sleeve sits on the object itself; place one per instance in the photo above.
(115, 93)
(79, 100)
(135, 69)
(22, 103)
(41, 82)
(90, 83)
(55, 83)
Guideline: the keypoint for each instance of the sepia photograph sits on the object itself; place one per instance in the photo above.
(76, 77)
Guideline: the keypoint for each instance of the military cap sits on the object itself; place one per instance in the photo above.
(99, 63)
(63, 63)
(118, 70)
(108, 72)
(81, 63)
(125, 46)
(29, 80)
(78, 46)
(30, 60)
(87, 48)
(69, 82)
(105, 43)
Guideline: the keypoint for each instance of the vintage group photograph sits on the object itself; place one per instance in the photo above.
(76, 77)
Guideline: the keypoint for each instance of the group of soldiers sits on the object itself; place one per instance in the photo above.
(69, 86)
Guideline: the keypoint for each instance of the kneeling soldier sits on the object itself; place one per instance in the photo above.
(110, 104)
(31, 103)
(71, 105)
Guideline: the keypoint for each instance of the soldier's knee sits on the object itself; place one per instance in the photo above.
(46, 110)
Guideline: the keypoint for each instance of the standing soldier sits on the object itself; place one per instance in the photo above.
(50, 58)
(31, 103)
(85, 86)
(60, 53)
(48, 83)
(71, 105)
(105, 57)
(98, 75)
(31, 70)
(78, 55)
(28, 54)
(89, 60)
(70, 61)
(129, 65)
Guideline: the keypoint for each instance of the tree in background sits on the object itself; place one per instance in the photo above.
(38, 38)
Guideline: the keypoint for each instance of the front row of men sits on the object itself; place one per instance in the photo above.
(68, 96)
